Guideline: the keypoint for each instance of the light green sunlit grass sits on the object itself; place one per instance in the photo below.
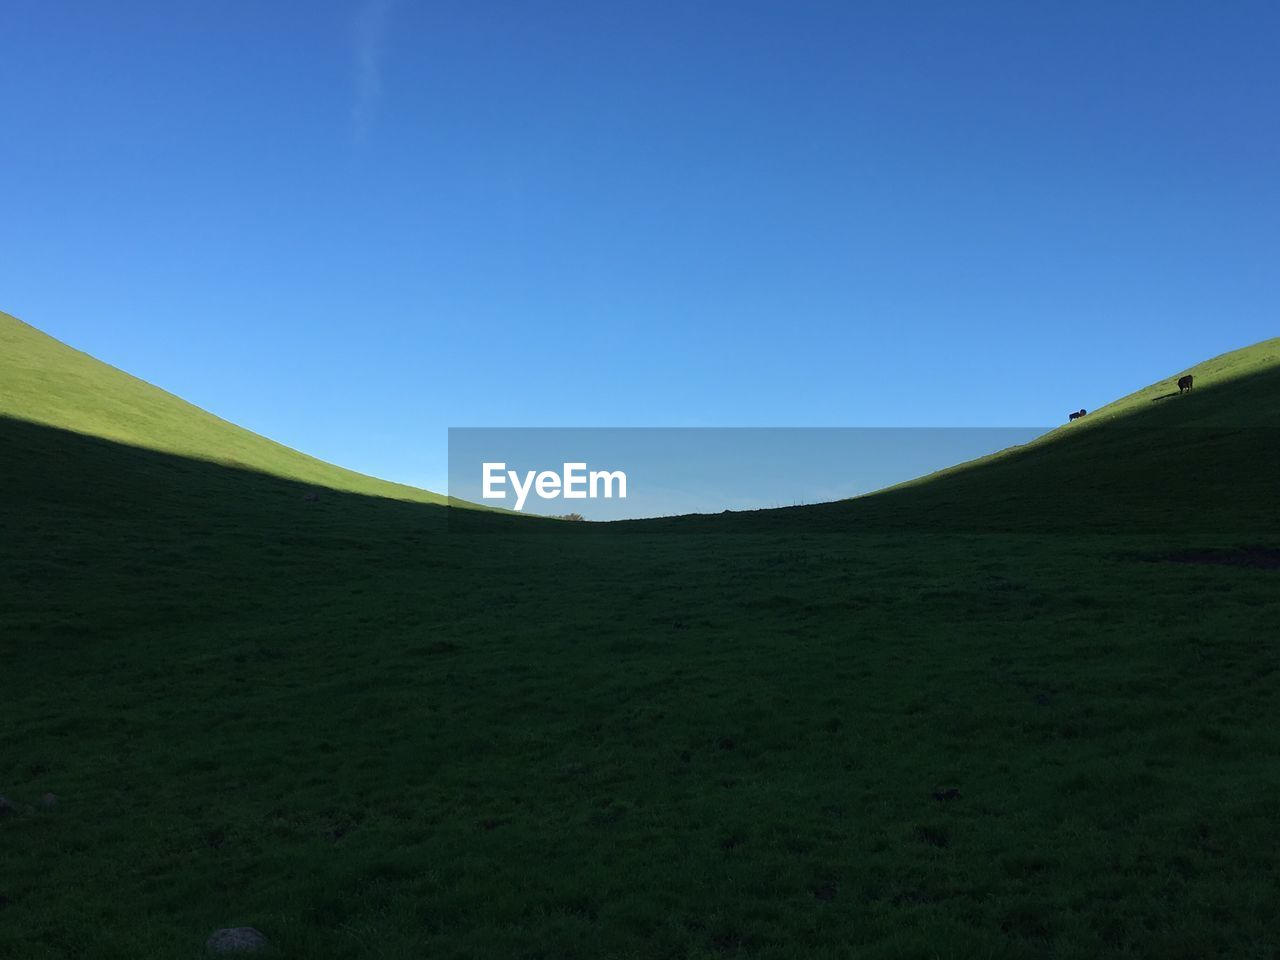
(45, 381)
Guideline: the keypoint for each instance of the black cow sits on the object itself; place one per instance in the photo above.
(1185, 383)
(1077, 415)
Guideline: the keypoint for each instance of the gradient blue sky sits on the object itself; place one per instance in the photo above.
(350, 225)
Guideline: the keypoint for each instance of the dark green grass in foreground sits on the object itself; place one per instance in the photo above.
(370, 737)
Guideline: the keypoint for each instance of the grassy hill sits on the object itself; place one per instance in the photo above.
(1152, 462)
(1022, 710)
(45, 381)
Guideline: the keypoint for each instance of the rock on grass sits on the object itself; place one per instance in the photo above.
(235, 940)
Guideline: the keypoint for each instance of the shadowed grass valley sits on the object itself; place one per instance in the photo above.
(1021, 708)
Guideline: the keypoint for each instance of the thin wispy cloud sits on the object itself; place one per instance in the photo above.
(370, 29)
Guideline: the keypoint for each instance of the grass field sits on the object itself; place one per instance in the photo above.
(1023, 709)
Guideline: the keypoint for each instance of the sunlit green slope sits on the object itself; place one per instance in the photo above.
(1157, 460)
(47, 382)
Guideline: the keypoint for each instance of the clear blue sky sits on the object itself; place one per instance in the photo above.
(350, 225)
